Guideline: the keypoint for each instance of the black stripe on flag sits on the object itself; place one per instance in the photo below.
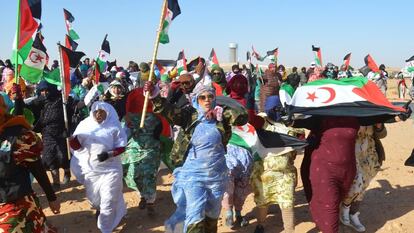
(68, 16)
(105, 45)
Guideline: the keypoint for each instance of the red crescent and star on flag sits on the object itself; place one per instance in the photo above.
(35, 57)
(249, 130)
(332, 94)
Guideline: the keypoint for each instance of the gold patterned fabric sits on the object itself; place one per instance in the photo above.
(367, 163)
(274, 178)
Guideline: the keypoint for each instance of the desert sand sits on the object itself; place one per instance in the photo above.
(388, 205)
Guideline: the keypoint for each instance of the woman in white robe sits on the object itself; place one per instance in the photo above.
(97, 142)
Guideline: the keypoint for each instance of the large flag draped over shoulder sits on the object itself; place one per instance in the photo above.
(318, 55)
(68, 21)
(357, 97)
(32, 68)
(171, 11)
(70, 60)
(29, 16)
(103, 55)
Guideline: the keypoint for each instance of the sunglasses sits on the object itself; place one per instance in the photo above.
(216, 73)
(204, 97)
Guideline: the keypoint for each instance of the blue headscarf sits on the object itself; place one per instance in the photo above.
(273, 102)
(199, 89)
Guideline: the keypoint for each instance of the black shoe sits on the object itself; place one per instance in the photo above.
(142, 204)
(240, 222)
(410, 160)
(259, 229)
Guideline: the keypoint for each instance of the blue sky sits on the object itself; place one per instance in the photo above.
(382, 28)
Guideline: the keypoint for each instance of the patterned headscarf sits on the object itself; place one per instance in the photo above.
(198, 90)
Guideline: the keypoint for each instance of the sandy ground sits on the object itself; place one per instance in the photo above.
(388, 205)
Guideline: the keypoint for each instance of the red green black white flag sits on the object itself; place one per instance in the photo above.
(181, 62)
(272, 54)
(29, 15)
(347, 60)
(257, 55)
(356, 97)
(213, 58)
(171, 11)
(32, 68)
(103, 55)
(70, 60)
(318, 55)
(70, 43)
(68, 21)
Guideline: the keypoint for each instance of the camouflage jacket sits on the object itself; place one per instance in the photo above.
(186, 118)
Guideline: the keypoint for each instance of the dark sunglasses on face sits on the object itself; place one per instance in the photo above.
(217, 73)
(204, 97)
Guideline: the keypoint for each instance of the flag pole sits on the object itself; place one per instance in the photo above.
(16, 59)
(64, 100)
(154, 57)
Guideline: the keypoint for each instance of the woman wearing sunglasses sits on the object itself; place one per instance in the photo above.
(198, 153)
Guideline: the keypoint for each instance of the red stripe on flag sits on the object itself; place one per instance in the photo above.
(66, 72)
(369, 61)
(373, 94)
(319, 53)
(67, 43)
(28, 24)
(347, 60)
(97, 73)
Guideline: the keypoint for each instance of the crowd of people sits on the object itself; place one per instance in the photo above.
(200, 108)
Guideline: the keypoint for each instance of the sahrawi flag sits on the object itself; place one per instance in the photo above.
(29, 15)
(32, 68)
(68, 21)
(70, 43)
(70, 60)
(286, 92)
(213, 58)
(347, 60)
(370, 65)
(181, 62)
(410, 64)
(261, 142)
(318, 55)
(103, 55)
(257, 55)
(272, 54)
(357, 97)
(171, 11)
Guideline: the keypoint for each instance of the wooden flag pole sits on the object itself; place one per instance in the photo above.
(64, 100)
(154, 57)
(16, 59)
